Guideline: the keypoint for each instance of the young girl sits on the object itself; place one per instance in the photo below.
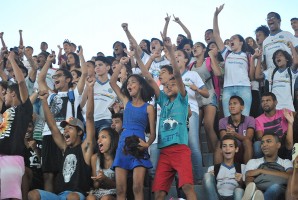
(238, 68)
(134, 94)
(103, 177)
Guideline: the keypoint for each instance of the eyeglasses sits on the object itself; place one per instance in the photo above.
(57, 76)
(271, 18)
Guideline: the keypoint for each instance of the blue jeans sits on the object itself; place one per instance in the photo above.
(45, 195)
(194, 145)
(257, 149)
(154, 156)
(210, 188)
(242, 91)
(275, 191)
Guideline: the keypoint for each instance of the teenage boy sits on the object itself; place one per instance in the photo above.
(224, 180)
(13, 128)
(269, 173)
(241, 127)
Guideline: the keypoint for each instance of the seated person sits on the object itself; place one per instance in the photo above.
(269, 174)
(241, 127)
(224, 180)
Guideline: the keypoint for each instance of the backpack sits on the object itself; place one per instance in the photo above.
(217, 167)
(215, 79)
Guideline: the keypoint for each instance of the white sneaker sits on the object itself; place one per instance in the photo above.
(258, 195)
(249, 191)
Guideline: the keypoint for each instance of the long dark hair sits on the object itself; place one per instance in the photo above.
(77, 60)
(113, 146)
(147, 91)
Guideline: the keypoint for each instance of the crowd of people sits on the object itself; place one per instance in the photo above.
(101, 128)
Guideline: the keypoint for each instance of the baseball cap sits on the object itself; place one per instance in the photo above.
(73, 122)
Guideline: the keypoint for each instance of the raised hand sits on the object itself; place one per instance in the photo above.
(80, 53)
(257, 53)
(1, 34)
(43, 95)
(125, 26)
(176, 19)
(289, 116)
(90, 81)
(130, 53)
(168, 18)
(219, 9)
(213, 52)
(11, 56)
(59, 47)
(166, 41)
(51, 57)
(20, 31)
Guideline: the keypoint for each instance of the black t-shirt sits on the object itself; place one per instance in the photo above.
(13, 128)
(31, 159)
(75, 173)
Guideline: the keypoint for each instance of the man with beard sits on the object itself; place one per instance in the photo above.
(279, 122)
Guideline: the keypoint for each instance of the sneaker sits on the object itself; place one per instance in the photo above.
(258, 195)
(249, 191)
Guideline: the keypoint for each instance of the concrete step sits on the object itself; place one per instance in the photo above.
(198, 189)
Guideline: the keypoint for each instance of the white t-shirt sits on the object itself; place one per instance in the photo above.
(155, 66)
(226, 182)
(236, 69)
(281, 88)
(49, 80)
(190, 78)
(255, 163)
(57, 98)
(275, 42)
(104, 97)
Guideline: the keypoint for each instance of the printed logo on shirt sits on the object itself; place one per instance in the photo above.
(5, 127)
(69, 167)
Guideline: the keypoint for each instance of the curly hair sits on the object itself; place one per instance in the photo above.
(131, 147)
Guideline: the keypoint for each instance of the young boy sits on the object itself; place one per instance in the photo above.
(175, 155)
(224, 180)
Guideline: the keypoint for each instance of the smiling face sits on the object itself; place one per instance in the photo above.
(273, 23)
(104, 142)
(229, 149)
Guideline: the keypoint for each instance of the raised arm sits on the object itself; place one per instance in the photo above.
(289, 137)
(294, 55)
(176, 72)
(19, 77)
(129, 36)
(34, 67)
(165, 28)
(84, 70)
(216, 33)
(88, 144)
(214, 64)
(115, 87)
(178, 21)
(2, 40)
(258, 69)
(56, 134)
(21, 44)
(43, 73)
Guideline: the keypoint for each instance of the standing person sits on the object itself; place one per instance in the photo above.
(275, 121)
(294, 24)
(14, 125)
(268, 175)
(73, 179)
(278, 39)
(282, 79)
(224, 180)
(103, 177)
(134, 94)
(241, 127)
(238, 71)
(175, 155)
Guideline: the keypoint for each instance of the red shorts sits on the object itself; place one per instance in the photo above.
(172, 159)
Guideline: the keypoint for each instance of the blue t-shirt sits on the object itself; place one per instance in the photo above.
(172, 122)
